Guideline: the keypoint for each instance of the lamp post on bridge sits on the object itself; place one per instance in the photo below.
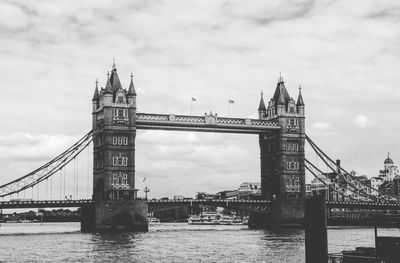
(146, 190)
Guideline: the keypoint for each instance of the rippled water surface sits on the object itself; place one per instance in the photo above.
(62, 242)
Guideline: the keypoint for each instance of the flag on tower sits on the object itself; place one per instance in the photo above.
(194, 99)
(231, 101)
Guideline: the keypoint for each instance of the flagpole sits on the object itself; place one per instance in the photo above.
(191, 107)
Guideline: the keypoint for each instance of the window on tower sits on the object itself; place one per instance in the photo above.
(293, 165)
(120, 116)
(120, 181)
(292, 147)
(120, 161)
(292, 183)
(120, 99)
(120, 140)
(292, 122)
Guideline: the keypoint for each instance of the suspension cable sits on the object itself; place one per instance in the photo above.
(46, 170)
(365, 190)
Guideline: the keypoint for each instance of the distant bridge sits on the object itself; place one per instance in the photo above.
(256, 206)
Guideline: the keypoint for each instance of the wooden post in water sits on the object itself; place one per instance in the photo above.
(315, 230)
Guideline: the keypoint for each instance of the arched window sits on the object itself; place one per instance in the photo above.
(120, 181)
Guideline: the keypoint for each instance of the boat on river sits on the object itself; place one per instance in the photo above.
(153, 220)
(230, 220)
(213, 218)
(205, 218)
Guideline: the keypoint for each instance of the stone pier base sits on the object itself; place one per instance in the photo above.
(283, 213)
(115, 215)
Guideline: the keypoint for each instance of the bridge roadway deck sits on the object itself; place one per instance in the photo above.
(190, 202)
(207, 123)
(364, 205)
(83, 202)
(45, 203)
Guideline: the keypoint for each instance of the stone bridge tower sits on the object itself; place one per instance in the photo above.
(114, 132)
(282, 157)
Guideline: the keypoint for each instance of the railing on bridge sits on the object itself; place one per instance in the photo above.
(210, 122)
(45, 203)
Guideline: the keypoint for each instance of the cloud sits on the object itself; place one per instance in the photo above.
(36, 148)
(321, 125)
(12, 17)
(362, 121)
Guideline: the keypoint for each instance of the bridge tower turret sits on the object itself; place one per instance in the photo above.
(262, 111)
(114, 134)
(282, 158)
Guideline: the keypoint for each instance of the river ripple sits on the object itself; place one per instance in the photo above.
(62, 242)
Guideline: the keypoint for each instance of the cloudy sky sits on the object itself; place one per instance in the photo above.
(344, 54)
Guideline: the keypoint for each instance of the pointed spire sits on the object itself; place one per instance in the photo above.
(96, 92)
(281, 99)
(280, 80)
(261, 107)
(300, 101)
(108, 88)
(114, 79)
(281, 91)
(131, 90)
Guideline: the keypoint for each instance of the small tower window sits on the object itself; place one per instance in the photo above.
(120, 161)
(292, 122)
(120, 99)
(120, 181)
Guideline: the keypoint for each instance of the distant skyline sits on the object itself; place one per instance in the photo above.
(344, 54)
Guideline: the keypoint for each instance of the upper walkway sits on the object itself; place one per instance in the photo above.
(207, 123)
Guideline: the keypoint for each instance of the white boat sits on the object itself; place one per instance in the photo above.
(153, 220)
(226, 220)
(237, 221)
(231, 220)
(206, 218)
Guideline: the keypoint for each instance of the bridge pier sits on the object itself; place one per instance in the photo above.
(283, 213)
(115, 215)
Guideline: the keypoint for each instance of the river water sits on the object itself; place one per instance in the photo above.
(169, 242)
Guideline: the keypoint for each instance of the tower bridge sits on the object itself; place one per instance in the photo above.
(280, 129)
